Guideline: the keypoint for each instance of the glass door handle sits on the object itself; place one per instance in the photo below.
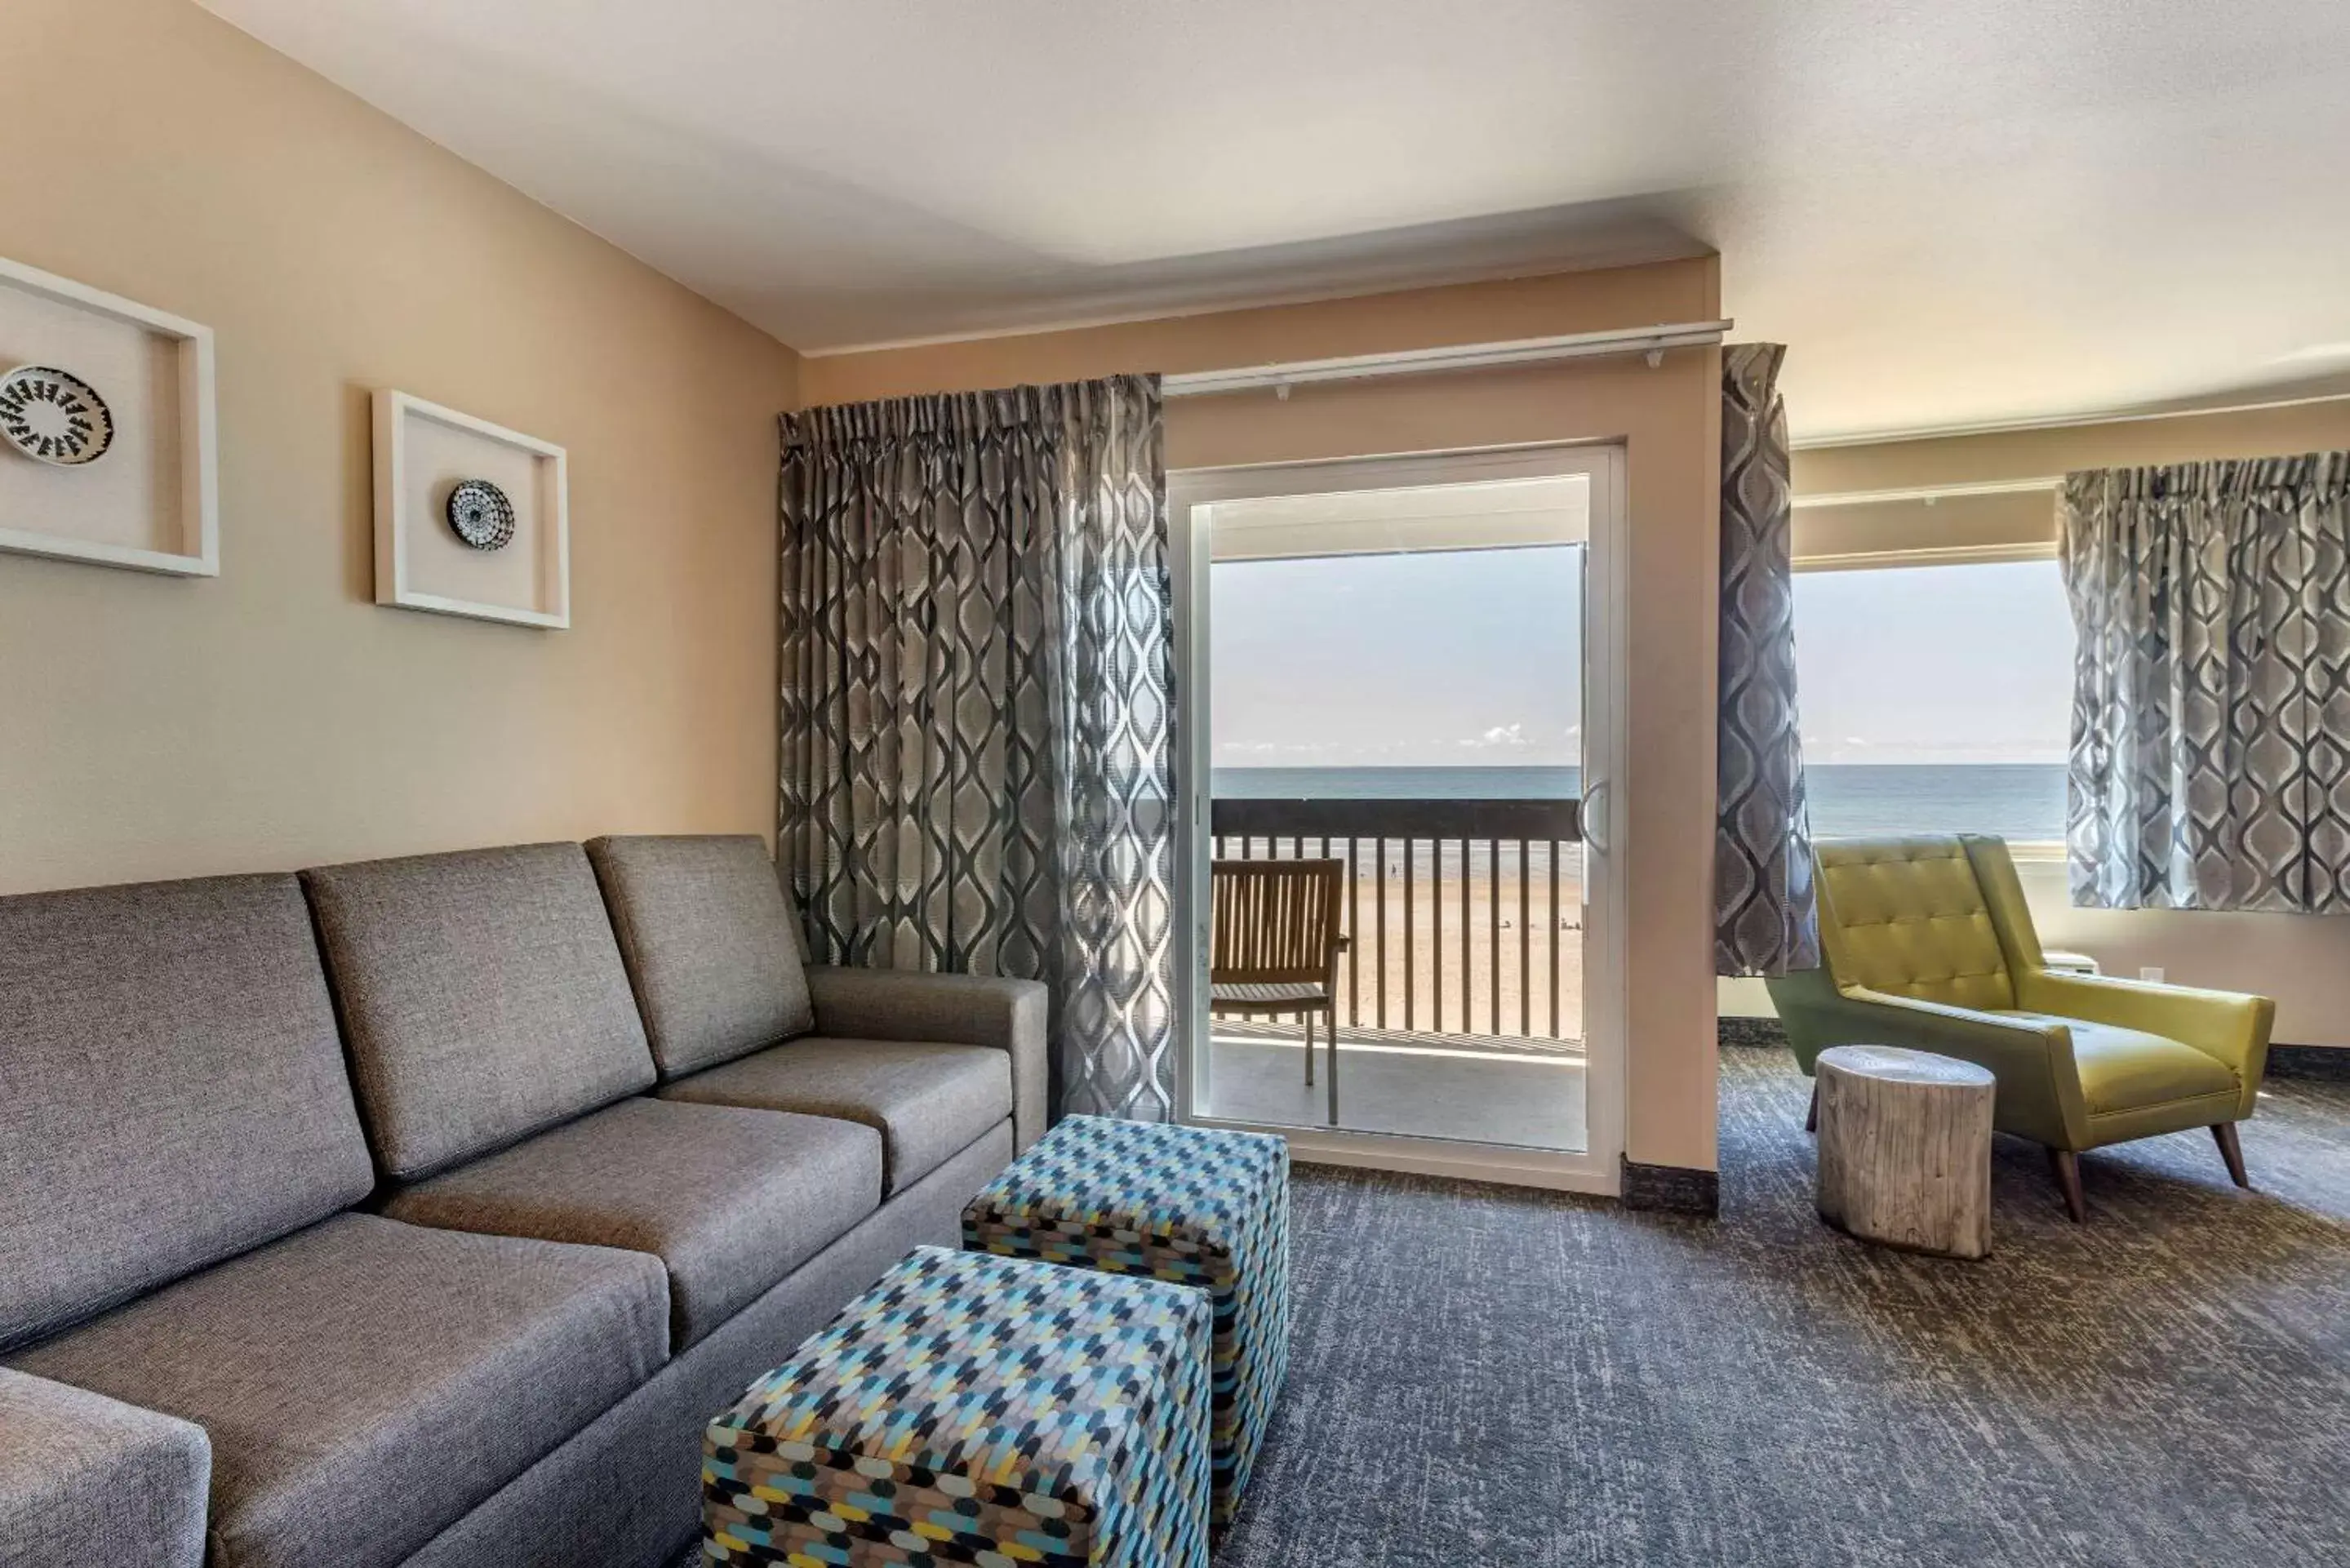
(1594, 815)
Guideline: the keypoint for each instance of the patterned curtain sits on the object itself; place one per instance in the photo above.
(2210, 765)
(1764, 919)
(977, 722)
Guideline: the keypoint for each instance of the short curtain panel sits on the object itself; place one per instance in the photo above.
(2211, 759)
(977, 708)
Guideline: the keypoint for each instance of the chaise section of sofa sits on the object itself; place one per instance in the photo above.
(931, 1063)
(178, 1142)
(366, 1382)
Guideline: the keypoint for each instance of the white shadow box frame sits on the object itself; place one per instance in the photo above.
(152, 502)
(422, 451)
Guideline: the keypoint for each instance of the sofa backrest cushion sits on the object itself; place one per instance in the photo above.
(709, 945)
(482, 998)
(172, 1090)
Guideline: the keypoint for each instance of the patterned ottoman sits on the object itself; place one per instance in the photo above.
(974, 1409)
(1192, 1205)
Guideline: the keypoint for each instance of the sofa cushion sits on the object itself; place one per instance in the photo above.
(926, 1101)
(1011, 1015)
(730, 1201)
(710, 945)
(482, 997)
(172, 1090)
(365, 1383)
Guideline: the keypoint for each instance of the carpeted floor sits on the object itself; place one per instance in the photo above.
(1486, 1378)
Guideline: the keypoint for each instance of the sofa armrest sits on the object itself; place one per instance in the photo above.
(949, 1009)
(85, 1478)
(2229, 1026)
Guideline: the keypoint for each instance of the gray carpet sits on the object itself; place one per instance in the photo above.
(1500, 1379)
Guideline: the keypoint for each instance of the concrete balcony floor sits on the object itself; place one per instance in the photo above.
(1479, 1088)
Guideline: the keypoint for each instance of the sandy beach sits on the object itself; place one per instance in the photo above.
(1425, 980)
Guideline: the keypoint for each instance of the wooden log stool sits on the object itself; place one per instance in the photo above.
(1905, 1149)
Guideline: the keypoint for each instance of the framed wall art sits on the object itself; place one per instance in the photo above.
(107, 446)
(471, 518)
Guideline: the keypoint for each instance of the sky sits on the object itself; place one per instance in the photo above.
(1472, 659)
(1450, 659)
(1934, 664)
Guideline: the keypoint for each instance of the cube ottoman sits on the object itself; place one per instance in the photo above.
(1194, 1206)
(973, 1409)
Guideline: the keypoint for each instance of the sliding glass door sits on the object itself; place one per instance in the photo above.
(1397, 673)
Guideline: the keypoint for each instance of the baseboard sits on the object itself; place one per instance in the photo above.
(2329, 1063)
(1671, 1189)
(1752, 1032)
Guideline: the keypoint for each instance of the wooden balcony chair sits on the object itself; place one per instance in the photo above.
(1274, 947)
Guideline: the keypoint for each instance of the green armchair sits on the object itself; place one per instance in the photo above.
(1926, 942)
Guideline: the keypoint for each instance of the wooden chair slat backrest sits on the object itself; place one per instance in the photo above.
(1276, 921)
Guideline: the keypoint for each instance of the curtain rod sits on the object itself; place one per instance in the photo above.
(1650, 340)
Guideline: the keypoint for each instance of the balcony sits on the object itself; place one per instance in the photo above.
(1460, 993)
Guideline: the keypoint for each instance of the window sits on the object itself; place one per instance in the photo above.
(1935, 698)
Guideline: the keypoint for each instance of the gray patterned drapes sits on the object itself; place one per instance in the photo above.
(977, 770)
(2211, 765)
(1764, 919)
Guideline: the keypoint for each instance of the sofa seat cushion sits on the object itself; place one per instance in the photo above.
(365, 1384)
(730, 1200)
(2129, 1069)
(927, 1101)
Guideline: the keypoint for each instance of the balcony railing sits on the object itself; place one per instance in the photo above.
(1466, 915)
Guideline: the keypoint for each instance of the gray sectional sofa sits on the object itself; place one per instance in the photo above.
(424, 1210)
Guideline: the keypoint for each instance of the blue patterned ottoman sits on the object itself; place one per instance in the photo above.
(974, 1409)
(1192, 1205)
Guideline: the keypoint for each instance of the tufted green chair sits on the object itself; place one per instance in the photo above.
(1926, 942)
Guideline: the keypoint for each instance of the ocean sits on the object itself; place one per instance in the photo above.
(2023, 801)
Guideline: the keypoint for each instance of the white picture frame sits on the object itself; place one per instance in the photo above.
(184, 518)
(419, 448)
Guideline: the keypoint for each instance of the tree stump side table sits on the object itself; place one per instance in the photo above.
(1905, 1149)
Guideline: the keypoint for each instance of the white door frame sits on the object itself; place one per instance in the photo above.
(1191, 495)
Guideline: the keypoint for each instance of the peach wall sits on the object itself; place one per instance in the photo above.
(1668, 420)
(275, 717)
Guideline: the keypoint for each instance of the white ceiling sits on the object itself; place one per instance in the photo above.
(1952, 213)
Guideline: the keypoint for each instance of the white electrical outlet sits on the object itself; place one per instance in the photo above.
(2152, 972)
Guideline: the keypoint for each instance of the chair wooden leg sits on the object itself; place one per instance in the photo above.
(2067, 1167)
(1330, 1029)
(1812, 1117)
(1307, 1019)
(2224, 1133)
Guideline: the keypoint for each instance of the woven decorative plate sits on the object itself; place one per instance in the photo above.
(481, 514)
(54, 417)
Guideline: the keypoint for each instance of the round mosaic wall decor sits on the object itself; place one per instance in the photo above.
(481, 514)
(53, 416)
